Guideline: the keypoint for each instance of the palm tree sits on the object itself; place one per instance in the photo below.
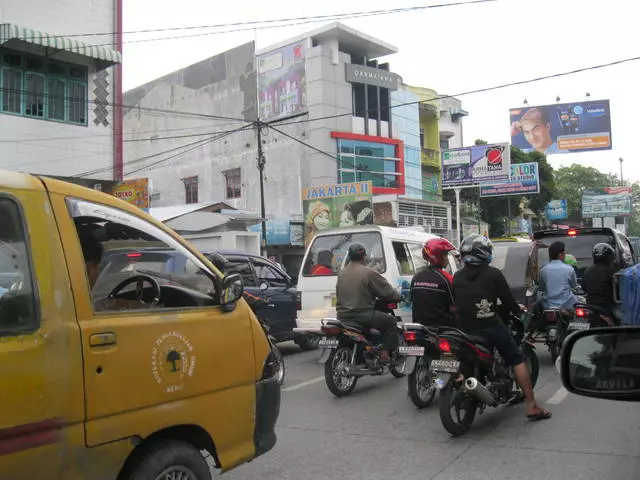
(173, 357)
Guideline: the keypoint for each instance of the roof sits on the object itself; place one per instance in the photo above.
(349, 39)
(391, 231)
(170, 212)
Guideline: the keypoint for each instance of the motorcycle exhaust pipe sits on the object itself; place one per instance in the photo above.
(479, 391)
(359, 372)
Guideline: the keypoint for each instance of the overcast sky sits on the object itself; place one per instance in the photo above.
(452, 50)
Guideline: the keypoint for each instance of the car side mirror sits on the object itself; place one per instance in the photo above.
(264, 286)
(603, 363)
(231, 289)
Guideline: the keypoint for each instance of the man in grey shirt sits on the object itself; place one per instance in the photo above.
(557, 279)
(357, 289)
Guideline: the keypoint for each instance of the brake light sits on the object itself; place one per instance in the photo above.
(551, 317)
(572, 233)
(328, 330)
(392, 306)
(580, 313)
(444, 345)
(410, 336)
(134, 255)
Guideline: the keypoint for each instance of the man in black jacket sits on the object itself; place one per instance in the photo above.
(477, 289)
(598, 282)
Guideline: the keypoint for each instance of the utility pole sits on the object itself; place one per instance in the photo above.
(261, 163)
(621, 179)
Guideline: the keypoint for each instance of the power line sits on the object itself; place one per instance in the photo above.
(469, 92)
(257, 24)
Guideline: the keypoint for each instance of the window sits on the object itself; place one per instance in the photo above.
(191, 189)
(415, 250)
(266, 273)
(121, 247)
(18, 313)
(331, 251)
(381, 162)
(242, 267)
(422, 137)
(42, 88)
(444, 144)
(403, 258)
(233, 183)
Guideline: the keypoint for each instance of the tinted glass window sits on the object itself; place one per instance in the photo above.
(330, 251)
(580, 246)
(266, 273)
(241, 267)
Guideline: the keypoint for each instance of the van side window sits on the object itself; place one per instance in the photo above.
(416, 254)
(403, 258)
(18, 313)
(327, 253)
(120, 250)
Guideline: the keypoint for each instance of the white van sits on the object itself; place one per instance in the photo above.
(394, 252)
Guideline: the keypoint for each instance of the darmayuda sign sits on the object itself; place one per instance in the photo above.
(371, 76)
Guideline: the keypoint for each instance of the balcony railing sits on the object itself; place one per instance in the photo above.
(431, 157)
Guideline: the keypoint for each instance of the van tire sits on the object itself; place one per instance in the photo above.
(155, 461)
(307, 342)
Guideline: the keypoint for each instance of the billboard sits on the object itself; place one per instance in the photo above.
(337, 205)
(524, 180)
(562, 128)
(468, 166)
(135, 192)
(431, 186)
(606, 202)
(556, 210)
(282, 85)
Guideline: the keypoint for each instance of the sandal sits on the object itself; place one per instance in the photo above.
(541, 415)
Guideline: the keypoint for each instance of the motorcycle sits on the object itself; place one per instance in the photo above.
(471, 376)
(354, 352)
(420, 349)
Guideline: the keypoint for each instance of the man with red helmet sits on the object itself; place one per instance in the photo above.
(431, 293)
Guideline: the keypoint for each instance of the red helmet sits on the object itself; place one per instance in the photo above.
(435, 250)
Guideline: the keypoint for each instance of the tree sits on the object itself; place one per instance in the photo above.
(572, 181)
(634, 220)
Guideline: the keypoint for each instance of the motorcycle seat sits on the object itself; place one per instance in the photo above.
(370, 333)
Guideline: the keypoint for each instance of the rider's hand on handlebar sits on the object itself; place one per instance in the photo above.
(522, 307)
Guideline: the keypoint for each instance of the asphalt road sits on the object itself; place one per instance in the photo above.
(377, 433)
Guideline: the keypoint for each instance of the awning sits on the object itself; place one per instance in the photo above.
(10, 33)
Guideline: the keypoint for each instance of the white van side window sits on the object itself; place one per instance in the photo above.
(416, 253)
(327, 253)
(403, 258)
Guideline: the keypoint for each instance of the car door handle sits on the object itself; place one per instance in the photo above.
(272, 304)
(102, 339)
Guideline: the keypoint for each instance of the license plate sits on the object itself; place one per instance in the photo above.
(579, 326)
(328, 342)
(414, 351)
(445, 366)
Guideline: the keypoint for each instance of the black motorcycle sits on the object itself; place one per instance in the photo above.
(472, 376)
(420, 350)
(354, 352)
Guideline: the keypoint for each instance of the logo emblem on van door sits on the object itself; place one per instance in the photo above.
(172, 361)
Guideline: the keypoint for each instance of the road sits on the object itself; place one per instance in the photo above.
(377, 433)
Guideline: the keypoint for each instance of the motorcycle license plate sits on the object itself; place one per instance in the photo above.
(412, 351)
(328, 342)
(579, 326)
(444, 366)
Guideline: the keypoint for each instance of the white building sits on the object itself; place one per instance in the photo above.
(58, 87)
(450, 122)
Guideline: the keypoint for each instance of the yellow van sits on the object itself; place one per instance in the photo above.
(111, 368)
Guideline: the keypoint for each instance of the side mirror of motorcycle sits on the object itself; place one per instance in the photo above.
(264, 286)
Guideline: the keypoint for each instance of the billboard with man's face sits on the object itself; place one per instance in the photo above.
(562, 128)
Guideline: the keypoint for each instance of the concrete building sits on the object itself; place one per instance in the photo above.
(60, 91)
(335, 112)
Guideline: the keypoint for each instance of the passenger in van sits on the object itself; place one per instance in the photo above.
(431, 293)
(323, 265)
(357, 290)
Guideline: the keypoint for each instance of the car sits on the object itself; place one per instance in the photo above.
(518, 261)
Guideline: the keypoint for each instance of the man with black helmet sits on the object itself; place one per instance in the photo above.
(598, 281)
(357, 289)
(477, 289)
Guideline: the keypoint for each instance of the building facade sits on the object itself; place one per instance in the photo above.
(332, 112)
(60, 87)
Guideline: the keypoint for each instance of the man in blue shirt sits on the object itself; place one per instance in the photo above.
(557, 279)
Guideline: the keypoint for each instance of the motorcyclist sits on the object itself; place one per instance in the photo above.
(357, 289)
(571, 261)
(431, 294)
(477, 288)
(557, 280)
(598, 281)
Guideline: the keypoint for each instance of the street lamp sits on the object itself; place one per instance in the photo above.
(621, 179)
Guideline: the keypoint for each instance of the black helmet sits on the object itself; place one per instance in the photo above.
(603, 253)
(476, 249)
(218, 260)
(357, 252)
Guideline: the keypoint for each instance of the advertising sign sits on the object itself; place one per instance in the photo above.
(469, 166)
(135, 192)
(431, 186)
(524, 180)
(371, 76)
(606, 202)
(282, 85)
(556, 210)
(338, 205)
(562, 128)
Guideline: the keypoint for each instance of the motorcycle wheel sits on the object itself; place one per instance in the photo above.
(280, 369)
(533, 365)
(397, 366)
(450, 398)
(421, 388)
(335, 376)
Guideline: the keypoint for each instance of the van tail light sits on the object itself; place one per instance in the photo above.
(392, 306)
(581, 313)
(298, 301)
(410, 336)
(444, 345)
(330, 330)
(551, 318)
(134, 255)
(572, 233)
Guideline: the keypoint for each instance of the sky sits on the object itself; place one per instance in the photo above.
(450, 49)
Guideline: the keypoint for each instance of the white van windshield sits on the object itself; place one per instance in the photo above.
(327, 253)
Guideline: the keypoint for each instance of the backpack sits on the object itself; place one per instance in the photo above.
(629, 281)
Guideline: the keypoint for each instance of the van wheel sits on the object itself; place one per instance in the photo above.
(308, 341)
(168, 459)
